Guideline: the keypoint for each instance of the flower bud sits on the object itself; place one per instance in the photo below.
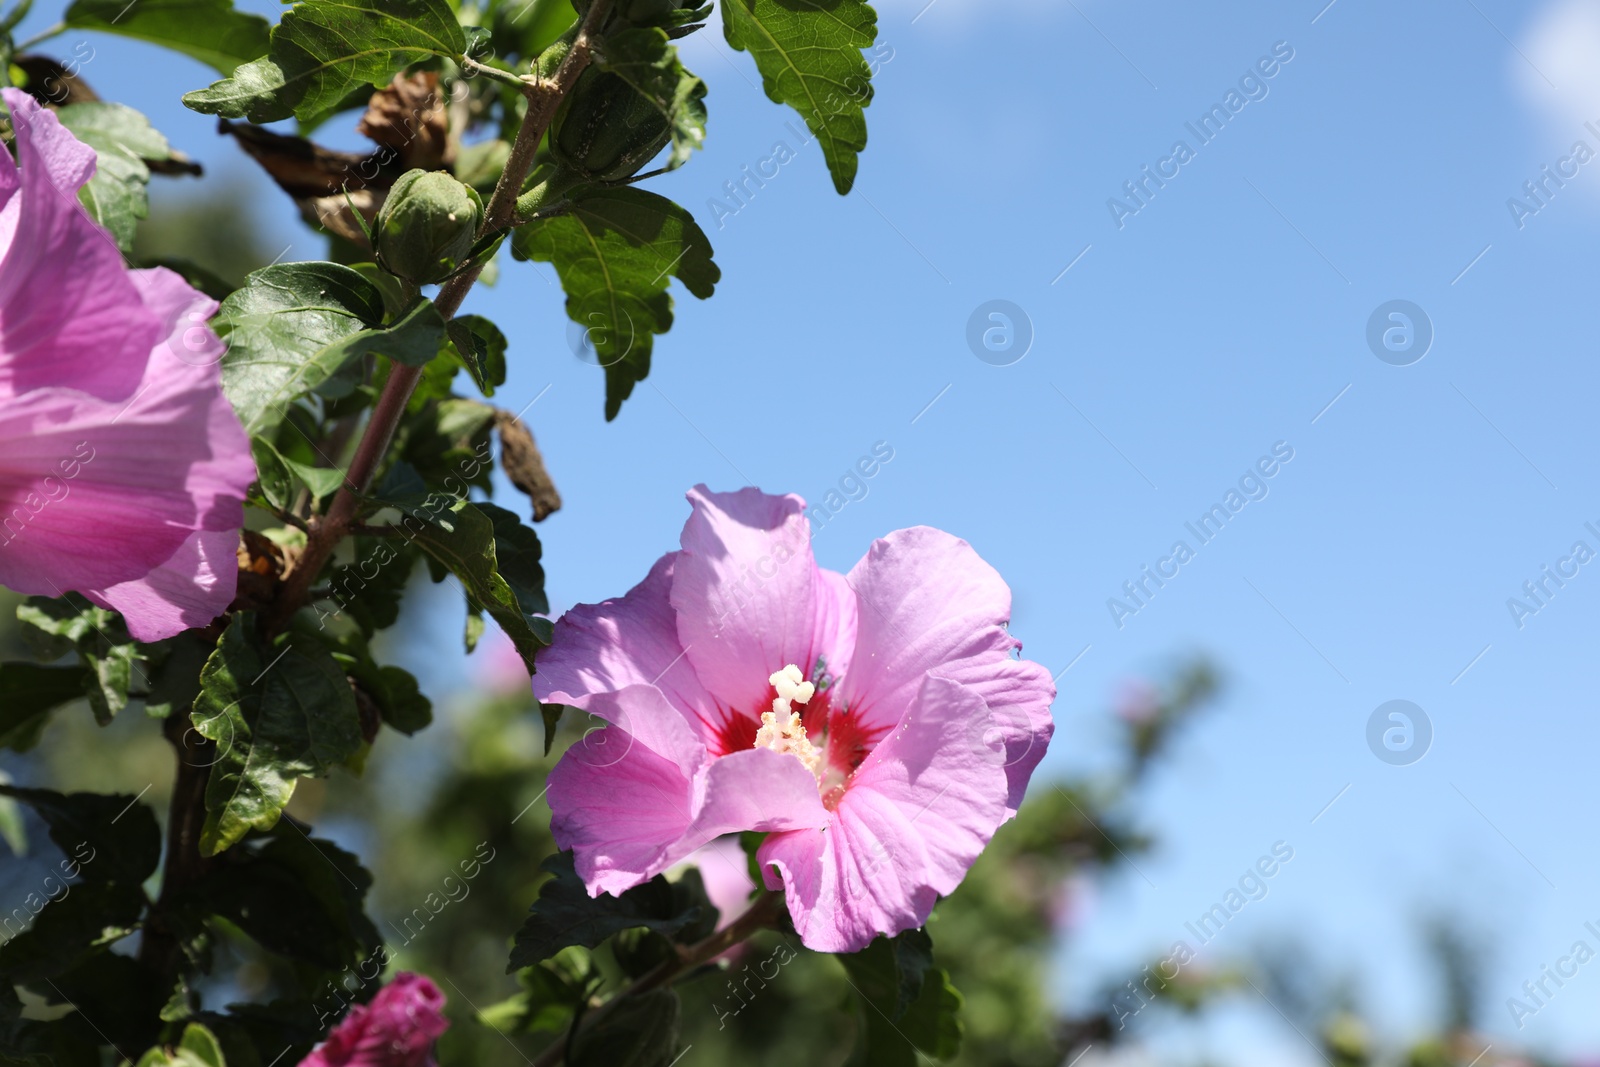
(606, 129)
(426, 227)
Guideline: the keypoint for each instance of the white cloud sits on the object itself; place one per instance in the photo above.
(1561, 74)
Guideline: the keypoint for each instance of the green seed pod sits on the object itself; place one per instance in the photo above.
(606, 129)
(426, 227)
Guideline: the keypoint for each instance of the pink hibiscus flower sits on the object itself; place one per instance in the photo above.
(397, 1029)
(122, 467)
(875, 725)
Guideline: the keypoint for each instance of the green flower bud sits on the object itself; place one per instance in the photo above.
(606, 129)
(648, 12)
(426, 227)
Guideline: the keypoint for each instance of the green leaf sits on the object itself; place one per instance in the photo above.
(447, 443)
(123, 140)
(117, 665)
(809, 55)
(84, 920)
(369, 590)
(115, 1000)
(551, 714)
(281, 478)
(402, 702)
(524, 28)
(463, 539)
(906, 1004)
(105, 838)
(208, 30)
(276, 714)
(640, 1031)
(294, 895)
(392, 689)
(615, 250)
(566, 915)
(29, 693)
(517, 552)
(551, 994)
(325, 49)
(199, 1048)
(413, 340)
(12, 829)
(646, 60)
(282, 331)
(481, 348)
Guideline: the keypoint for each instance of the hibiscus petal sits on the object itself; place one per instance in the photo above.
(623, 796)
(837, 621)
(185, 372)
(757, 789)
(94, 494)
(746, 592)
(190, 589)
(69, 315)
(915, 817)
(929, 604)
(630, 640)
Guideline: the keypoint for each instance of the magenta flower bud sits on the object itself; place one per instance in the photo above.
(397, 1029)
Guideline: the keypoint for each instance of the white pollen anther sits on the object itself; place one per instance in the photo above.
(781, 730)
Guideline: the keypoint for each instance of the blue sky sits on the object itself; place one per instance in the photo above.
(1228, 314)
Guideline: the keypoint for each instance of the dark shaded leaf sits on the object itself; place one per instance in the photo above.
(517, 551)
(115, 999)
(106, 837)
(645, 59)
(906, 1004)
(640, 1031)
(462, 539)
(294, 895)
(84, 921)
(28, 694)
(481, 348)
(276, 714)
(566, 915)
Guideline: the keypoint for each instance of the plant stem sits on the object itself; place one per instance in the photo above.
(760, 915)
(159, 948)
(326, 533)
(474, 69)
